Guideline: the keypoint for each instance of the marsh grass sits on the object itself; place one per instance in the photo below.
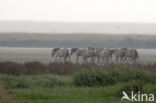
(68, 68)
(74, 83)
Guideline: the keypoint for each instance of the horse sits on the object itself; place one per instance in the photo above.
(119, 54)
(61, 53)
(97, 54)
(83, 53)
(92, 54)
(103, 54)
(126, 55)
(132, 55)
(78, 52)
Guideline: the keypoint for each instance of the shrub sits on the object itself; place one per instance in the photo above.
(101, 77)
(18, 82)
(93, 78)
(15, 82)
(52, 82)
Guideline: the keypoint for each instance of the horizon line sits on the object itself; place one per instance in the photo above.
(102, 22)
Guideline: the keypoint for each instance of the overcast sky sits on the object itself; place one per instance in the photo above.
(138, 11)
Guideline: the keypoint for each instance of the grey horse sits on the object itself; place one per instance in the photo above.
(111, 52)
(92, 54)
(60, 53)
(103, 55)
(120, 54)
(132, 55)
(97, 54)
(126, 55)
(81, 53)
(78, 52)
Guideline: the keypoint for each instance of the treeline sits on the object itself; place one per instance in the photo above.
(77, 40)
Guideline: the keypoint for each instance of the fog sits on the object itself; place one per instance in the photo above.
(71, 27)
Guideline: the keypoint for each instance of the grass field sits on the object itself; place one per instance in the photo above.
(84, 84)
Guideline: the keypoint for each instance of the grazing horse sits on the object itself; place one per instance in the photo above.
(61, 53)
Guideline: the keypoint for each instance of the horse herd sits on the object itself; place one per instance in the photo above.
(97, 55)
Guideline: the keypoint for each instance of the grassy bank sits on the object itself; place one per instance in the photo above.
(83, 84)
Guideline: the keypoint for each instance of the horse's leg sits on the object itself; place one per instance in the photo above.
(125, 60)
(111, 59)
(102, 60)
(137, 60)
(77, 59)
(55, 59)
(107, 59)
(91, 59)
(133, 60)
(69, 58)
(86, 59)
(121, 59)
(59, 59)
(130, 59)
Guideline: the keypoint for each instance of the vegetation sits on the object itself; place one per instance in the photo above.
(73, 83)
(112, 76)
(68, 68)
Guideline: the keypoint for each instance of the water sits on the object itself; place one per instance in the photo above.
(44, 55)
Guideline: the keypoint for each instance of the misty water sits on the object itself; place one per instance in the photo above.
(44, 55)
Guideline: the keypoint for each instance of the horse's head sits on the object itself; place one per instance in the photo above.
(73, 50)
(54, 51)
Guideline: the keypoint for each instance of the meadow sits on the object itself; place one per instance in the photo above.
(34, 82)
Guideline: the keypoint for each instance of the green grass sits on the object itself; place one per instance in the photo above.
(64, 89)
(68, 93)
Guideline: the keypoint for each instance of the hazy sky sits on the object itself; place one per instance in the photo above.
(141, 11)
